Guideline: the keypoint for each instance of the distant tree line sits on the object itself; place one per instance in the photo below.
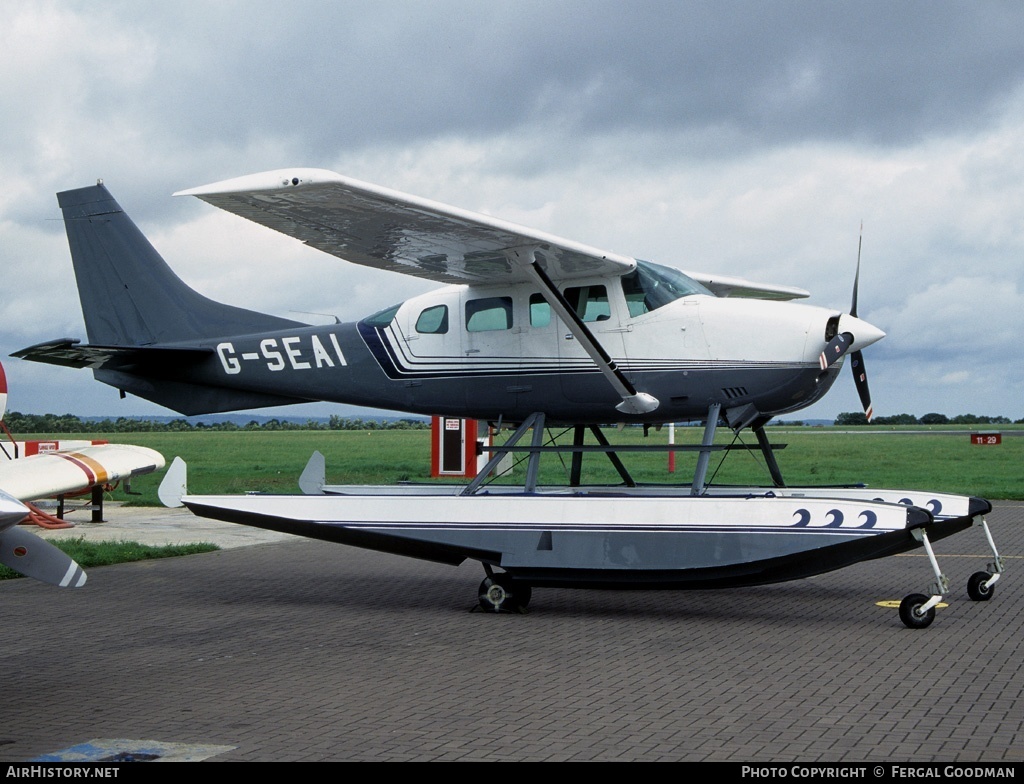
(68, 423)
(857, 418)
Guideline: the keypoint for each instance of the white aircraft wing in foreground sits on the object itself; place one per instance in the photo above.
(56, 473)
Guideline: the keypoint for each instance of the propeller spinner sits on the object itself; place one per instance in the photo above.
(852, 331)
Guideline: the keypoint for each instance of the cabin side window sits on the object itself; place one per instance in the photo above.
(589, 302)
(489, 314)
(540, 311)
(433, 321)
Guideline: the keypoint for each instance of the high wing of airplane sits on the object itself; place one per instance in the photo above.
(529, 322)
(529, 330)
(45, 475)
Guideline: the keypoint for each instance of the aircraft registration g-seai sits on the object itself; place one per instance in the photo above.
(531, 331)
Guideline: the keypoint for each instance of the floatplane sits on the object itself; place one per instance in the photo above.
(529, 331)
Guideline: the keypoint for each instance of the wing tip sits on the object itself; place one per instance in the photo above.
(274, 180)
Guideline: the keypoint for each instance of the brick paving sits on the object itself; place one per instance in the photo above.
(303, 650)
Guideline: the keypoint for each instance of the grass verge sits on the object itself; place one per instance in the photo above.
(89, 554)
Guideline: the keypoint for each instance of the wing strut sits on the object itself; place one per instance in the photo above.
(633, 402)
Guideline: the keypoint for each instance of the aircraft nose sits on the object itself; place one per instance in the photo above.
(864, 334)
(12, 511)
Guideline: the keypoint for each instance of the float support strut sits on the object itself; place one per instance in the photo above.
(704, 456)
(576, 469)
(619, 465)
(535, 421)
(769, 457)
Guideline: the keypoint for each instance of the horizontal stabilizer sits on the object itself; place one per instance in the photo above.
(148, 372)
(34, 557)
(69, 352)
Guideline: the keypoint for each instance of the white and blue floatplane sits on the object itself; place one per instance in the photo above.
(528, 328)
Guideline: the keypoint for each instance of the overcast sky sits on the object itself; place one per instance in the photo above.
(740, 138)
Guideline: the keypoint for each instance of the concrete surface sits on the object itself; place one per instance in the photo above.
(299, 650)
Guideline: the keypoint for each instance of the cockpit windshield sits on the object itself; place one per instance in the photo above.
(650, 286)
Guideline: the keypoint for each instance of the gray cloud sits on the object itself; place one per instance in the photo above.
(737, 137)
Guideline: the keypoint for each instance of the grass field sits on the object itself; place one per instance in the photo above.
(940, 459)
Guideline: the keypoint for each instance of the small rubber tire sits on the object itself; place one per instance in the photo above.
(910, 612)
(501, 593)
(977, 589)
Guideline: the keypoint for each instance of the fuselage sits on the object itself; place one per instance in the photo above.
(491, 352)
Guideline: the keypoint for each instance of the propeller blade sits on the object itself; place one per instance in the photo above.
(834, 349)
(33, 556)
(860, 379)
(856, 277)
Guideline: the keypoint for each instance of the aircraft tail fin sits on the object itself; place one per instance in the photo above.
(129, 295)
